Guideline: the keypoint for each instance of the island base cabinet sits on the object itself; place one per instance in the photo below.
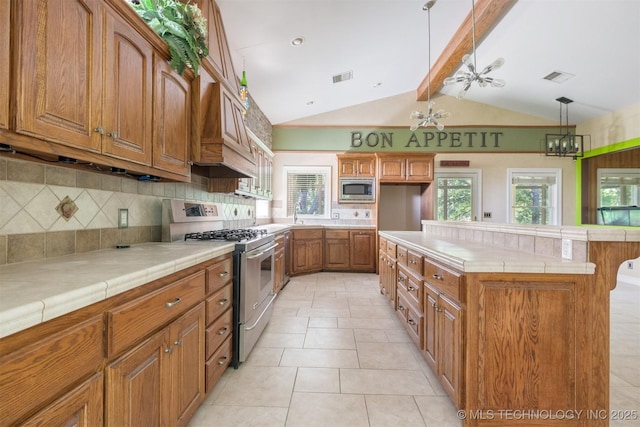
(531, 348)
(160, 382)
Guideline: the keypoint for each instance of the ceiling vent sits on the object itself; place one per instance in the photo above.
(347, 75)
(558, 76)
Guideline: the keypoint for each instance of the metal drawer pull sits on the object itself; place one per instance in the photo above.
(412, 261)
(223, 331)
(411, 322)
(172, 303)
(223, 301)
(177, 342)
(99, 130)
(112, 135)
(437, 277)
(168, 350)
(222, 361)
(401, 308)
(433, 304)
(411, 288)
(223, 274)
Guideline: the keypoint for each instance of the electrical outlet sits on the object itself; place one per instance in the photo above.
(566, 249)
(629, 265)
(367, 214)
(335, 215)
(487, 214)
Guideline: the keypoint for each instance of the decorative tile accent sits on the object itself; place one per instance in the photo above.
(67, 208)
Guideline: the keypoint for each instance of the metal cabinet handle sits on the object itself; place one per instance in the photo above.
(223, 274)
(412, 261)
(400, 254)
(411, 322)
(222, 360)
(439, 309)
(112, 135)
(401, 308)
(223, 331)
(400, 279)
(168, 350)
(172, 303)
(411, 288)
(437, 277)
(223, 301)
(177, 342)
(99, 130)
(433, 304)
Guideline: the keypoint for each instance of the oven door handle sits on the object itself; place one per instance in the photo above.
(248, 328)
(262, 251)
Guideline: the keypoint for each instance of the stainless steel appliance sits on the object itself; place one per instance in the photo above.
(357, 190)
(253, 267)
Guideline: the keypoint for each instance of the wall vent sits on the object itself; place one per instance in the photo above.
(347, 75)
(558, 76)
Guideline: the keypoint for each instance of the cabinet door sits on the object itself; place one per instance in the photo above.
(128, 91)
(419, 169)
(366, 167)
(59, 71)
(347, 167)
(336, 254)
(362, 250)
(299, 252)
(278, 274)
(4, 62)
(430, 351)
(81, 407)
(450, 335)
(187, 360)
(172, 119)
(138, 385)
(392, 169)
(314, 254)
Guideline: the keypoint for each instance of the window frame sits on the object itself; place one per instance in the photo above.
(304, 169)
(612, 171)
(556, 214)
(476, 188)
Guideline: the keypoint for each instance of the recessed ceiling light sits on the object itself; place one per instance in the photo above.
(297, 41)
(310, 102)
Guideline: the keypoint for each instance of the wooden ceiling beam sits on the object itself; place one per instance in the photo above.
(488, 14)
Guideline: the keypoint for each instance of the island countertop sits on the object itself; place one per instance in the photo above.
(473, 257)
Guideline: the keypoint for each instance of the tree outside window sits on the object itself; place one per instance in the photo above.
(308, 191)
(454, 199)
(535, 196)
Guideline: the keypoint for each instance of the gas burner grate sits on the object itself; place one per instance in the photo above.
(235, 235)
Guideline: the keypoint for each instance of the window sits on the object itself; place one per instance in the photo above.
(535, 196)
(458, 195)
(618, 187)
(308, 191)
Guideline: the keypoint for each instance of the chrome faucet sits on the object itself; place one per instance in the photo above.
(295, 212)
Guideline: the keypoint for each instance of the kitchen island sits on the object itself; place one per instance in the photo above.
(516, 334)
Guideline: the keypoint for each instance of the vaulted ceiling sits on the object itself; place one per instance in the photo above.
(384, 44)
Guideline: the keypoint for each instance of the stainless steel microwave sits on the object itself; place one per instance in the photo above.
(357, 190)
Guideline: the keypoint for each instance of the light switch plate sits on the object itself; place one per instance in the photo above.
(123, 218)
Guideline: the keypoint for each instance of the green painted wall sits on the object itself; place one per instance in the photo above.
(450, 140)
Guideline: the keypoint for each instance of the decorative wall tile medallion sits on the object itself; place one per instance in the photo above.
(67, 208)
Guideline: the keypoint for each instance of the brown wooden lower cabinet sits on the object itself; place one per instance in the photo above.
(349, 250)
(306, 250)
(160, 382)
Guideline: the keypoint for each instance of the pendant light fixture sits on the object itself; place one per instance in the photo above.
(244, 90)
(471, 74)
(564, 143)
(430, 117)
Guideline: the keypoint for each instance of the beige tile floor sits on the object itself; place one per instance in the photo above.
(335, 354)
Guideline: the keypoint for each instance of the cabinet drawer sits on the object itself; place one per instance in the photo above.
(219, 275)
(36, 374)
(443, 279)
(131, 322)
(382, 244)
(410, 286)
(414, 262)
(310, 234)
(391, 249)
(218, 332)
(411, 318)
(336, 234)
(401, 255)
(215, 366)
(219, 302)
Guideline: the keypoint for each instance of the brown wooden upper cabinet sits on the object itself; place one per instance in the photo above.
(360, 165)
(4, 63)
(405, 167)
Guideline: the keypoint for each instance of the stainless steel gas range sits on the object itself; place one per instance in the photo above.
(253, 266)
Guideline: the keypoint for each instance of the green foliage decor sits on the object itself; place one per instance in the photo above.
(181, 26)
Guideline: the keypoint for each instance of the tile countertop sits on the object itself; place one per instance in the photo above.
(473, 257)
(36, 291)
